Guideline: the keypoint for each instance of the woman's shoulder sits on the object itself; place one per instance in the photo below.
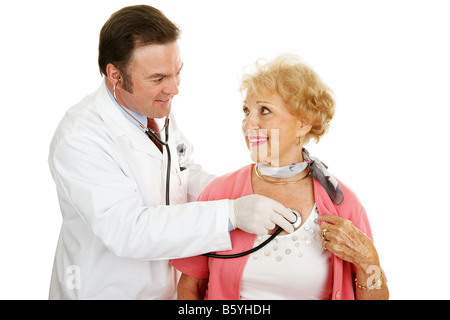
(231, 185)
(238, 175)
(350, 206)
(349, 194)
(352, 209)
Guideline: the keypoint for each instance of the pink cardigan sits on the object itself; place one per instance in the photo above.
(225, 274)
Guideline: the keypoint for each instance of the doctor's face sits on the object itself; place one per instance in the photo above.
(154, 75)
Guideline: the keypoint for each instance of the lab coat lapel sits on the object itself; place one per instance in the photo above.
(121, 127)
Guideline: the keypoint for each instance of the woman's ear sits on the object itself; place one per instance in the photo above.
(303, 128)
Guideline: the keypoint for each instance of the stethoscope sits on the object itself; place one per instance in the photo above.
(150, 135)
(297, 223)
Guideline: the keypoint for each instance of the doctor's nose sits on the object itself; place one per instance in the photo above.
(172, 86)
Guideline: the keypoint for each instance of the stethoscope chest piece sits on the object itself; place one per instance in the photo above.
(297, 223)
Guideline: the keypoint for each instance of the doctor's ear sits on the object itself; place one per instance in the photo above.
(113, 73)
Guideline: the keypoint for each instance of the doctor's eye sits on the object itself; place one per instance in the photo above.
(158, 80)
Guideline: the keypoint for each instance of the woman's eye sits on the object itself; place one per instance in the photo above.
(245, 111)
(264, 110)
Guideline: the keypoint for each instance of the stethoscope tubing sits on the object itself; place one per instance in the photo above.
(297, 223)
(169, 158)
(150, 135)
(238, 255)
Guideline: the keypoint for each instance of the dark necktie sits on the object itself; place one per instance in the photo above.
(151, 124)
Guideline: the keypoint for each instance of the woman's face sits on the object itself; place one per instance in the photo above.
(271, 132)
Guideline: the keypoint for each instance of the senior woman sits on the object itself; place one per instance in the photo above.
(331, 255)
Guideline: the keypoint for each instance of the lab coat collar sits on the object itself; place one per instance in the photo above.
(120, 126)
(139, 117)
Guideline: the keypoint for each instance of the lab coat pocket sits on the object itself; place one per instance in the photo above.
(178, 184)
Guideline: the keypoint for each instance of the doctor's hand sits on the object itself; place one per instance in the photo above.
(258, 214)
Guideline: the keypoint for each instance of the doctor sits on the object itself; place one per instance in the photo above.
(118, 234)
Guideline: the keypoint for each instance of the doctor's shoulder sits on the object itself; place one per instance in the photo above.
(232, 185)
(82, 123)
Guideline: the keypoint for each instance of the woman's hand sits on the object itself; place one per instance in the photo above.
(190, 288)
(347, 242)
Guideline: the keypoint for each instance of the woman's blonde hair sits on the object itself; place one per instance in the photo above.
(300, 88)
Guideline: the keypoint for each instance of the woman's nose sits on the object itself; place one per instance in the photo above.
(249, 123)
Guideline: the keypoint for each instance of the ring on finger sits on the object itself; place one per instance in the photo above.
(324, 231)
(324, 244)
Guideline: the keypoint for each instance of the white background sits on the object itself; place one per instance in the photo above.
(386, 61)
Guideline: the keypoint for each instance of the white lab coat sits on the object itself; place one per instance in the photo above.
(117, 235)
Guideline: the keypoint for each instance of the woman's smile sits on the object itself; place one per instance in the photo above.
(257, 140)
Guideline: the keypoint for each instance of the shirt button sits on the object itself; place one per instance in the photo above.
(338, 295)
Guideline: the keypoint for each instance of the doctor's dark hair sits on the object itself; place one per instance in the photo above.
(130, 28)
